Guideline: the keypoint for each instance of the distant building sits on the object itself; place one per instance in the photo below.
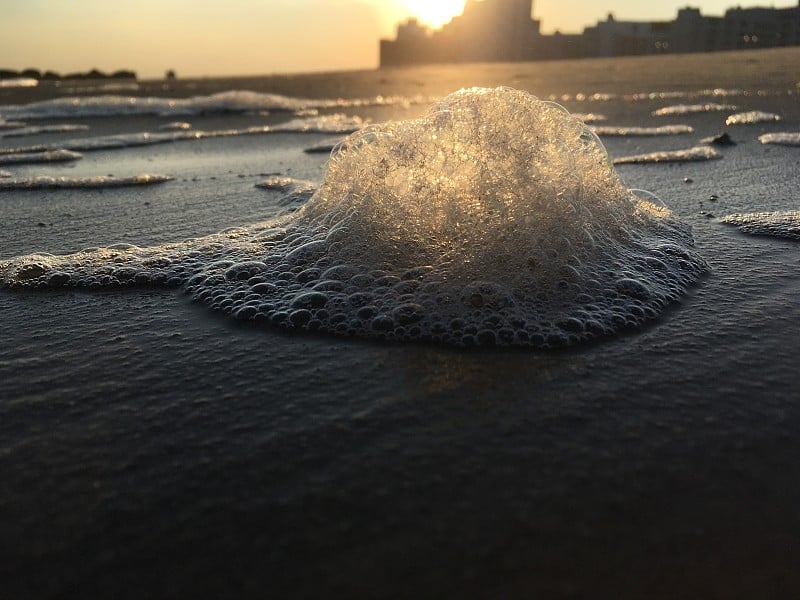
(504, 30)
(488, 30)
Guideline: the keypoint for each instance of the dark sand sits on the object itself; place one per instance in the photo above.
(151, 448)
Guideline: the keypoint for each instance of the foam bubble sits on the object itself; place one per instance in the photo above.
(43, 182)
(784, 138)
(752, 117)
(694, 154)
(642, 131)
(494, 219)
(785, 224)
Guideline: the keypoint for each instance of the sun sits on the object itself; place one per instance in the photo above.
(435, 13)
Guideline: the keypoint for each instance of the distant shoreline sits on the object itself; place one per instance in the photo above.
(38, 75)
(774, 69)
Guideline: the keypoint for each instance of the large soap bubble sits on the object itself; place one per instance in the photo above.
(496, 218)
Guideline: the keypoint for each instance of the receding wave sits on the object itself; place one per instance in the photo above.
(494, 219)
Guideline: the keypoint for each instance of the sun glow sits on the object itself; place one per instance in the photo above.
(435, 13)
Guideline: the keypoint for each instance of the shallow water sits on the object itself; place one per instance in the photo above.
(149, 446)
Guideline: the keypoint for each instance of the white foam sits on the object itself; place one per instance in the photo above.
(642, 131)
(99, 181)
(752, 117)
(39, 156)
(688, 109)
(784, 224)
(337, 123)
(237, 101)
(784, 138)
(694, 154)
(286, 184)
(326, 124)
(493, 219)
(19, 82)
(5, 173)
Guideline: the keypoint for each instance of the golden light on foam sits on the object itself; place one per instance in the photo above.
(435, 13)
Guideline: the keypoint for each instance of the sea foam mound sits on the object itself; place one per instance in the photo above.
(494, 219)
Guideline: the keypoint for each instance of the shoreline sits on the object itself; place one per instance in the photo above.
(772, 69)
(153, 447)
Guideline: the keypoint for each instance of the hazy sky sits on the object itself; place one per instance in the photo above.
(241, 37)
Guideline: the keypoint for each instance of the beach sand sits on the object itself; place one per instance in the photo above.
(150, 447)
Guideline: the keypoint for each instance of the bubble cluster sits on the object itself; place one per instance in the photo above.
(494, 219)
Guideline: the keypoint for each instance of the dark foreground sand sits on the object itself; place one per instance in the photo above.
(151, 448)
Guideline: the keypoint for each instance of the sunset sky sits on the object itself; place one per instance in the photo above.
(241, 37)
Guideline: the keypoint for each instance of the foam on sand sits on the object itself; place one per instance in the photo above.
(235, 101)
(43, 155)
(689, 109)
(784, 138)
(752, 117)
(784, 224)
(694, 154)
(610, 131)
(43, 182)
(324, 124)
(494, 219)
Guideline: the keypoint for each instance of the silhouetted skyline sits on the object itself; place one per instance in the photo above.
(241, 37)
(504, 30)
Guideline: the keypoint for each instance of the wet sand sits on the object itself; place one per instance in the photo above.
(150, 447)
